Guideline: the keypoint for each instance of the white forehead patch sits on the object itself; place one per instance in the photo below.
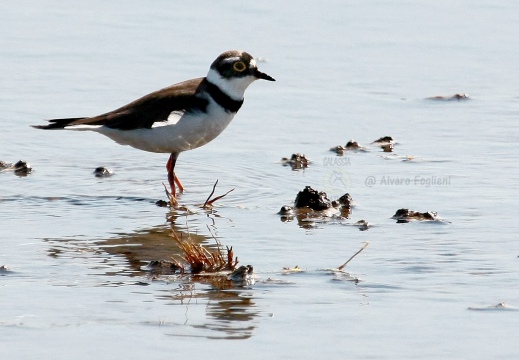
(252, 63)
(231, 59)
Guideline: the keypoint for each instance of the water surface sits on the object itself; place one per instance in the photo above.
(75, 246)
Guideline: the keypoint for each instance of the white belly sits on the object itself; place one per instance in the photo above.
(179, 133)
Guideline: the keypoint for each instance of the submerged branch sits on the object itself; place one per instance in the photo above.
(209, 202)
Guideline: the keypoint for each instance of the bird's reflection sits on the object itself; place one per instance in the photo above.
(229, 311)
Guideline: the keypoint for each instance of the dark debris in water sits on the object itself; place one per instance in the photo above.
(362, 225)
(386, 143)
(165, 267)
(406, 215)
(297, 161)
(243, 274)
(312, 206)
(162, 203)
(384, 140)
(351, 145)
(20, 168)
(101, 171)
(497, 307)
(313, 199)
(318, 201)
(455, 97)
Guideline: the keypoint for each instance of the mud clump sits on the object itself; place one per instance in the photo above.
(313, 199)
(406, 215)
(384, 140)
(345, 203)
(297, 161)
(386, 143)
(242, 275)
(312, 205)
(351, 145)
(101, 171)
(362, 225)
(21, 168)
(162, 203)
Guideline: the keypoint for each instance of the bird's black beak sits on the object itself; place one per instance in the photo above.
(261, 75)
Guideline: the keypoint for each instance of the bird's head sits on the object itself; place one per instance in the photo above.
(233, 71)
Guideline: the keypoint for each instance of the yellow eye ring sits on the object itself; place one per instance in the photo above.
(239, 66)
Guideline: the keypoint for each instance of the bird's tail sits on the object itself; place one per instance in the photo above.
(57, 124)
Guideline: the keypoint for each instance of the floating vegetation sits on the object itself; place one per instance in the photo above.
(202, 260)
(218, 267)
(289, 270)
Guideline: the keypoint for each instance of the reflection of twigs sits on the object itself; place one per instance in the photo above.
(231, 262)
(214, 237)
(209, 202)
(357, 253)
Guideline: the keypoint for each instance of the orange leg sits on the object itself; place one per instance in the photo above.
(179, 184)
(172, 178)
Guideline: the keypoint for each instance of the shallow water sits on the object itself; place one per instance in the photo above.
(75, 246)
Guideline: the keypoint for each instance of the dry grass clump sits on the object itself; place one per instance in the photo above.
(201, 259)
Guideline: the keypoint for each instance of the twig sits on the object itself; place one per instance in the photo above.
(218, 197)
(357, 253)
(209, 202)
(211, 194)
(172, 200)
(168, 194)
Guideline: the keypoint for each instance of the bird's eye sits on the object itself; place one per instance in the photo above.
(239, 66)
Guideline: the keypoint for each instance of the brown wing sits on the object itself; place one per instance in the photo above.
(143, 112)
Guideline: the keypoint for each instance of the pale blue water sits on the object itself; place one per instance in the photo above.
(74, 244)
